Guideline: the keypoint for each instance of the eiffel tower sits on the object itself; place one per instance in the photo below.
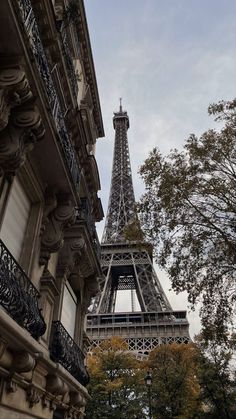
(127, 265)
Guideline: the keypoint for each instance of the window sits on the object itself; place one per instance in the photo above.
(15, 219)
(69, 305)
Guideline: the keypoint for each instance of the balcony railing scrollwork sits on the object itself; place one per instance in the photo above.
(31, 27)
(18, 296)
(69, 62)
(66, 352)
(84, 213)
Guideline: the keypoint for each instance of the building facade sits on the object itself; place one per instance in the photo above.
(50, 119)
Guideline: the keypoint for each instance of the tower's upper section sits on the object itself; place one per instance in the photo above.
(121, 207)
(121, 115)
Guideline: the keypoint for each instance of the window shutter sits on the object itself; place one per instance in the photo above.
(15, 219)
(68, 314)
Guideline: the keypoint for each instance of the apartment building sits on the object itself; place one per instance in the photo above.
(50, 120)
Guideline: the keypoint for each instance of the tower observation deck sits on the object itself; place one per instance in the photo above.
(127, 265)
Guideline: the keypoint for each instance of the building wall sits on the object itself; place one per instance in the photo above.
(50, 120)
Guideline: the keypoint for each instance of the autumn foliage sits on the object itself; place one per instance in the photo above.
(188, 212)
(193, 381)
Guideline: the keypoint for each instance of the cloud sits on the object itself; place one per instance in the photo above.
(168, 60)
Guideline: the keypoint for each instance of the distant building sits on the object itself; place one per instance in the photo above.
(50, 119)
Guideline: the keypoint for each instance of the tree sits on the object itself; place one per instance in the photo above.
(188, 212)
(193, 381)
(217, 377)
(116, 383)
(175, 389)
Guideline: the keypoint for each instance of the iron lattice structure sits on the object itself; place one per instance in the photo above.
(127, 265)
(121, 207)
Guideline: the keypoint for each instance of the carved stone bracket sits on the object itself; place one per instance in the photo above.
(23, 362)
(92, 286)
(33, 396)
(14, 90)
(70, 255)
(45, 402)
(71, 414)
(56, 386)
(18, 138)
(86, 267)
(53, 405)
(11, 385)
(59, 214)
(76, 399)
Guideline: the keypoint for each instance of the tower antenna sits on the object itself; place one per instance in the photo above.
(120, 104)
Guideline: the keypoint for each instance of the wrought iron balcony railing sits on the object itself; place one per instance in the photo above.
(66, 352)
(18, 296)
(30, 24)
(69, 62)
(84, 213)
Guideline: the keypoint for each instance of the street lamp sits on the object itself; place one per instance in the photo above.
(148, 381)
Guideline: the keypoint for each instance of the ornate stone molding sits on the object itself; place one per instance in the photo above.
(3, 346)
(92, 286)
(73, 414)
(53, 405)
(70, 255)
(14, 90)
(33, 396)
(76, 399)
(48, 283)
(23, 362)
(11, 385)
(59, 214)
(18, 138)
(56, 386)
(46, 402)
(86, 267)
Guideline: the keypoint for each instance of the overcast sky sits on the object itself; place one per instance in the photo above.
(168, 60)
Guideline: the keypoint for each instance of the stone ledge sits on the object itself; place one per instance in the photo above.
(20, 340)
